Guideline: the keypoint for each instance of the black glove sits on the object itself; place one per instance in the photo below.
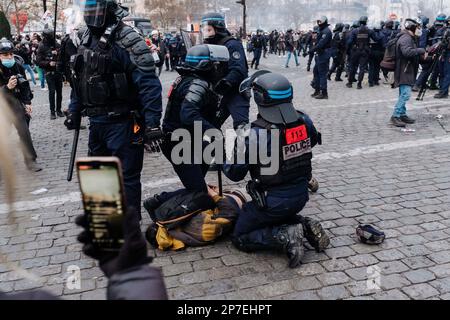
(154, 138)
(73, 121)
(132, 254)
(223, 87)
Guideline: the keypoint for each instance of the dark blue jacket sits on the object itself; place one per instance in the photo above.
(147, 85)
(423, 40)
(324, 39)
(237, 66)
(354, 36)
(237, 171)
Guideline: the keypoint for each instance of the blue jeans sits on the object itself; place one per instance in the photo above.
(41, 76)
(30, 72)
(290, 53)
(404, 96)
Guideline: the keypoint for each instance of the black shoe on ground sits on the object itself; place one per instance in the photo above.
(398, 122)
(53, 116)
(151, 234)
(315, 234)
(377, 83)
(441, 95)
(349, 85)
(315, 94)
(323, 95)
(33, 166)
(291, 238)
(60, 114)
(371, 85)
(415, 89)
(338, 80)
(407, 120)
(308, 69)
(329, 77)
(151, 204)
(359, 87)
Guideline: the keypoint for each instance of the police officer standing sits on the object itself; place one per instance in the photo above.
(16, 90)
(359, 43)
(437, 32)
(311, 41)
(444, 65)
(258, 43)
(376, 56)
(47, 56)
(117, 88)
(338, 46)
(426, 65)
(270, 221)
(234, 104)
(323, 55)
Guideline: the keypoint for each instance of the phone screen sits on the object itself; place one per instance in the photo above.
(101, 188)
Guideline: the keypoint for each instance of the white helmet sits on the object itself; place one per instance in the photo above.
(155, 33)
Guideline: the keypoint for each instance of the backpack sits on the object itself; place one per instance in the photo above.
(182, 208)
(389, 62)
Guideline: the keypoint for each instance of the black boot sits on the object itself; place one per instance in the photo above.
(315, 234)
(441, 95)
(151, 204)
(290, 238)
(33, 166)
(53, 116)
(60, 114)
(315, 94)
(329, 76)
(322, 95)
(349, 85)
(397, 122)
(359, 87)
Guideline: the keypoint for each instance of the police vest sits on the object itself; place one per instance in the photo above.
(295, 154)
(172, 119)
(362, 39)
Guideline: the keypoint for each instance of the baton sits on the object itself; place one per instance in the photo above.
(73, 154)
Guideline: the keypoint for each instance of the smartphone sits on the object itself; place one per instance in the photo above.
(101, 185)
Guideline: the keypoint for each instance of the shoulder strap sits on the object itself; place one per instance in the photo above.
(261, 123)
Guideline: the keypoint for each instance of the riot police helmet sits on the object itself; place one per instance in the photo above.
(217, 21)
(6, 46)
(346, 27)
(441, 17)
(322, 21)
(389, 24)
(206, 58)
(411, 25)
(424, 21)
(363, 20)
(273, 94)
(103, 13)
(355, 24)
(339, 27)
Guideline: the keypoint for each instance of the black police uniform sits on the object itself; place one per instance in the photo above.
(17, 99)
(359, 43)
(233, 103)
(117, 88)
(270, 221)
(258, 42)
(322, 60)
(375, 57)
(54, 78)
(338, 46)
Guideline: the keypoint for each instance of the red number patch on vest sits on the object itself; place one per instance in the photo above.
(170, 91)
(297, 134)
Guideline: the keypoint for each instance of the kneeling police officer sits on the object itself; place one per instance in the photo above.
(192, 101)
(270, 221)
(116, 86)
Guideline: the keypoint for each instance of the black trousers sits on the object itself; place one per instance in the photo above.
(55, 85)
(360, 58)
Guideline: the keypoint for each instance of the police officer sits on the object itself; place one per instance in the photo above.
(258, 43)
(46, 58)
(359, 44)
(424, 41)
(270, 221)
(117, 88)
(323, 55)
(338, 46)
(437, 33)
(16, 90)
(234, 104)
(444, 63)
(376, 56)
(174, 54)
(192, 102)
(310, 42)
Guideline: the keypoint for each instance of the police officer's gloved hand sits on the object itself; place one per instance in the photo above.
(154, 138)
(73, 121)
(132, 254)
(223, 87)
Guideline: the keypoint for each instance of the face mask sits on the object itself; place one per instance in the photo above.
(8, 63)
(208, 32)
(418, 32)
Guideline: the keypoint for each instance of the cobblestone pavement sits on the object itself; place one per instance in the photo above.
(370, 172)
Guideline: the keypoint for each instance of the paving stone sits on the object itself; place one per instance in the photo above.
(441, 271)
(176, 269)
(276, 289)
(361, 260)
(341, 252)
(419, 276)
(207, 264)
(389, 255)
(391, 295)
(337, 265)
(418, 262)
(392, 267)
(420, 291)
(441, 257)
(442, 285)
(333, 293)
(301, 296)
(394, 281)
(333, 278)
(251, 280)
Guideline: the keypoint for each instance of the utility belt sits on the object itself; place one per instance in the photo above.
(112, 112)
